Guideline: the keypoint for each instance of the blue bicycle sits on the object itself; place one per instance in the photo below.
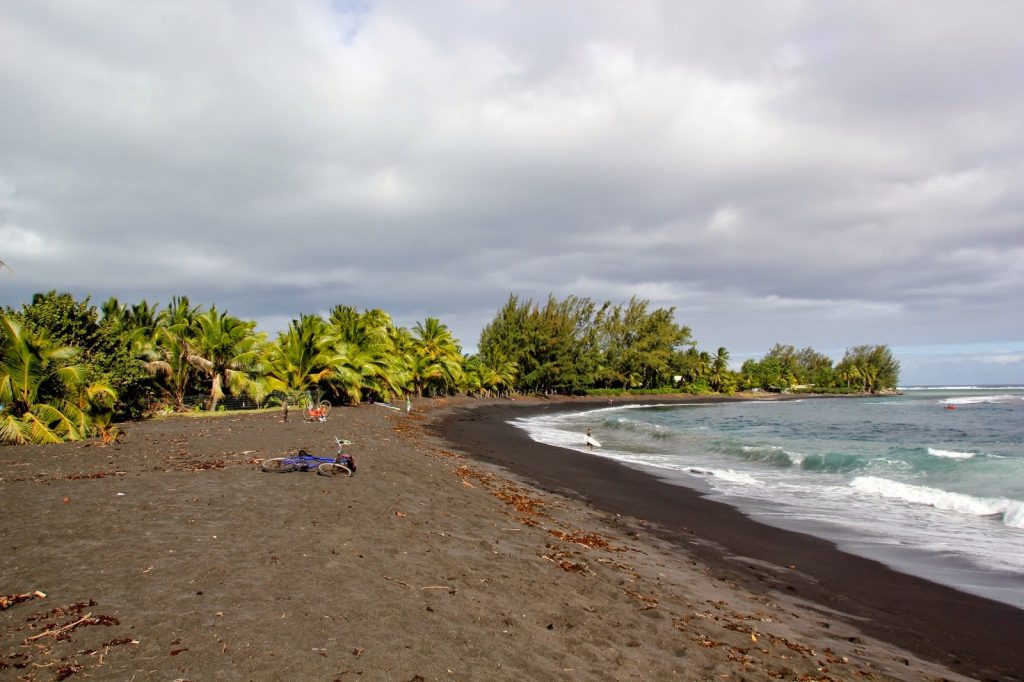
(343, 464)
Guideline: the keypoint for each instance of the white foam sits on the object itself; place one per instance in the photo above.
(730, 475)
(797, 458)
(1014, 515)
(638, 425)
(980, 399)
(542, 431)
(1010, 511)
(959, 388)
(950, 454)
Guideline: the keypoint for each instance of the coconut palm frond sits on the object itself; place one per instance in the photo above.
(100, 394)
(38, 426)
(13, 430)
(158, 368)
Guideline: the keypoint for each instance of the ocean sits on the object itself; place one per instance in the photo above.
(930, 482)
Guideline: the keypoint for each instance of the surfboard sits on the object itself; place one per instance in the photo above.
(590, 440)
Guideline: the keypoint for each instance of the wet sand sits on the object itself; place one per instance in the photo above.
(974, 635)
(171, 556)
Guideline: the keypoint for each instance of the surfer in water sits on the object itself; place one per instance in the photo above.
(590, 439)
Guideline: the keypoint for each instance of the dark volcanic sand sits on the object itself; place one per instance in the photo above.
(170, 556)
(973, 635)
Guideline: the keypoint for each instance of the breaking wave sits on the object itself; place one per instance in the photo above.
(726, 475)
(951, 454)
(1010, 511)
(982, 399)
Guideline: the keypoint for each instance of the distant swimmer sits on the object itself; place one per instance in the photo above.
(950, 407)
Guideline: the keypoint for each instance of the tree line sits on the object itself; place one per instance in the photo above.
(69, 370)
(575, 345)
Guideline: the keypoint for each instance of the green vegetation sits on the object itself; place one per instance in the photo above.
(572, 345)
(863, 369)
(68, 369)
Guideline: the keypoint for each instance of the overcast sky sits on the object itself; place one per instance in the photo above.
(811, 173)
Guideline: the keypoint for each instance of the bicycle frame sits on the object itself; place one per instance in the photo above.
(304, 461)
(307, 462)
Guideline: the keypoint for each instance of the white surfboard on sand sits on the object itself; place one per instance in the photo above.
(590, 440)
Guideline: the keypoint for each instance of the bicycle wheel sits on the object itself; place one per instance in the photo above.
(278, 465)
(333, 469)
(325, 408)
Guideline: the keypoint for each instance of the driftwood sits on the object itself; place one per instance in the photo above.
(396, 580)
(85, 620)
(63, 628)
(9, 600)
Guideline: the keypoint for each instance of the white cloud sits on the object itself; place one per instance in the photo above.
(823, 174)
(725, 221)
(1002, 359)
(16, 241)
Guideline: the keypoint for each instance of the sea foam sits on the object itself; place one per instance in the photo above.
(1010, 511)
(981, 399)
(730, 475)
(950, 454)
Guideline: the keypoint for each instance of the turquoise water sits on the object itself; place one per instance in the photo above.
(930, 482)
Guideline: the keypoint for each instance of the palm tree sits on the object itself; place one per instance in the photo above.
(422, 372)
(843, 371)
(139, 326)
(224, 349)
(179, 310)
(303, 357)
(719, 369)
(869, 376)
(497, 372)
(369, 362)
(43, 390)
(434, 340)
(437, 356)
(169, 357)
(699, 366)
(114, 311)
(472, 381)
(362, 371)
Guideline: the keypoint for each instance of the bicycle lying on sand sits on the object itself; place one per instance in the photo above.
(343, 464)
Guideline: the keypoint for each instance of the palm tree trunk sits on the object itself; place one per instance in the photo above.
(215, 393)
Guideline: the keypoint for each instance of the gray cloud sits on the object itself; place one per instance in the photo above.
(812, 174)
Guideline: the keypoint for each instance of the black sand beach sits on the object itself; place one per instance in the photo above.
(975, 636)
(171, 556)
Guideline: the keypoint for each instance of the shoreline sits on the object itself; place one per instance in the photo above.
(170, 555)
(971, 634)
